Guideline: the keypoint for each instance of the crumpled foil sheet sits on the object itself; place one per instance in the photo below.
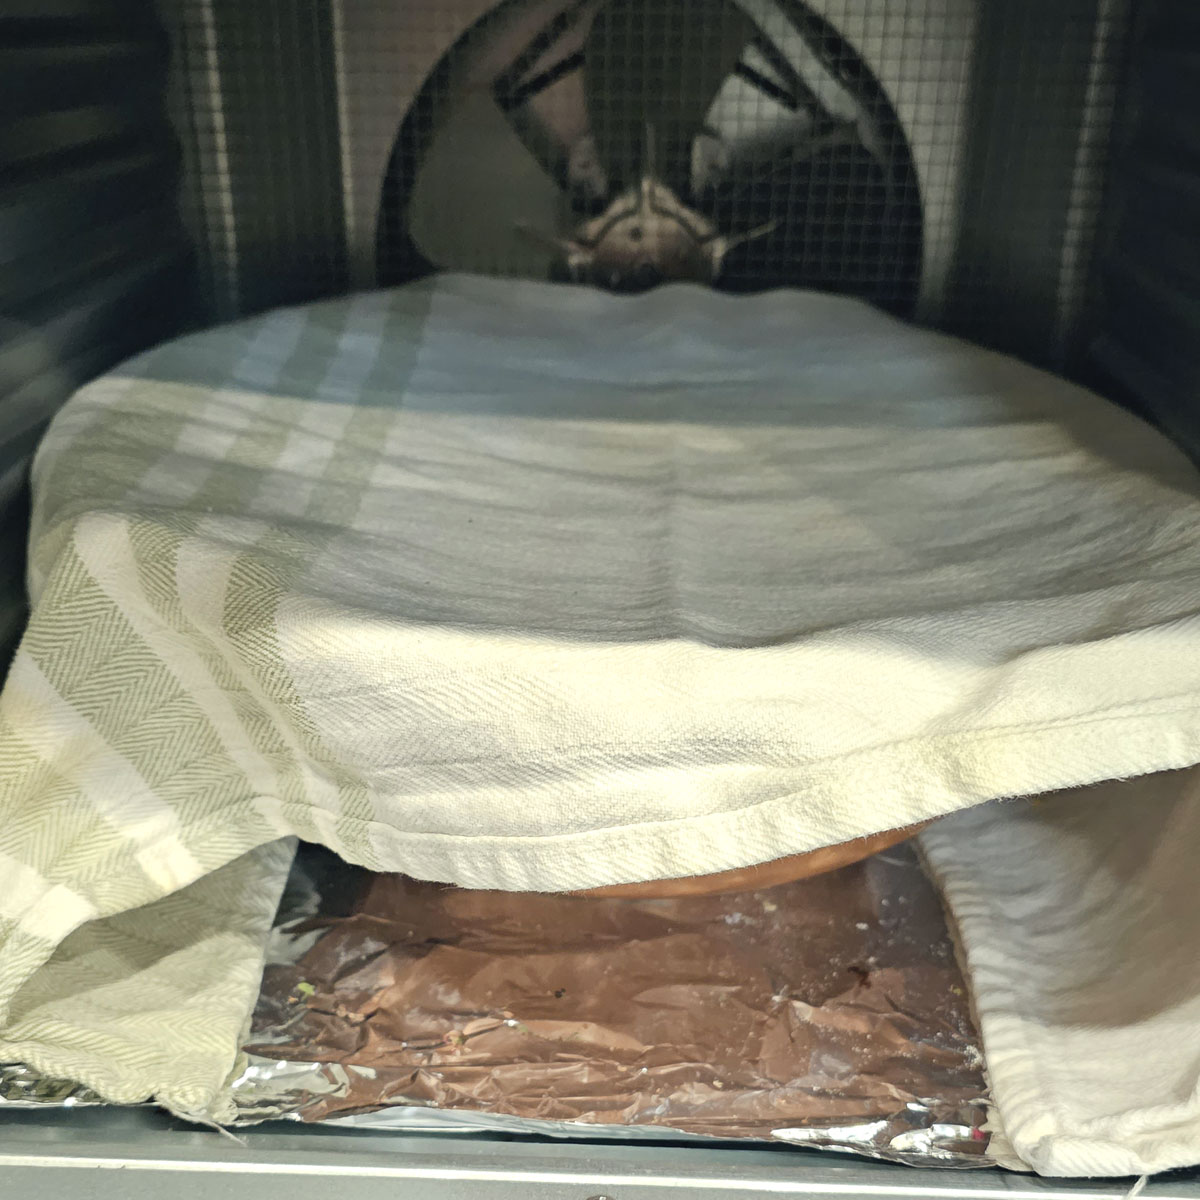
(23, 1087)
(829, 1012)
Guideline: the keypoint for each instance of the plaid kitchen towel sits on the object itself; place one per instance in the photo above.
(537, 588)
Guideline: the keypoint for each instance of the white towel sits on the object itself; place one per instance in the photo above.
(1080, 919)
(531, 587)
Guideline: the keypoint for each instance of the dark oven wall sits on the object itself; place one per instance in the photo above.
(94, 264)
(943, 158)
(1147, 348)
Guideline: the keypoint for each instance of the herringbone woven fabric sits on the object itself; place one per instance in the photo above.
(527, 587)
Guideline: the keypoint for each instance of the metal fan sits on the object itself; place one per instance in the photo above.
(628, 142)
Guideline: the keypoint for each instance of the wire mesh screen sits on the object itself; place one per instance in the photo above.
(254, 97)
(942, 158)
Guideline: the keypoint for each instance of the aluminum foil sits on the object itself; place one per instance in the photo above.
(23, 1087)
(829, 1013)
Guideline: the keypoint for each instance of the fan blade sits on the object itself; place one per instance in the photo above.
(758, 132)
(477, 185)
(788, 85)
(541, 93)
(660, 63)
(553, 124)
(559, 39)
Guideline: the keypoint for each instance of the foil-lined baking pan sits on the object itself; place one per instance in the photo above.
(829, 1012)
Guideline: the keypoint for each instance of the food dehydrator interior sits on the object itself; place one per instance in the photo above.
(1023, 173)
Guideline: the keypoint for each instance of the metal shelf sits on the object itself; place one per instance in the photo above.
(136, 1154)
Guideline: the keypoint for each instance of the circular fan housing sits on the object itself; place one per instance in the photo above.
(624, 143)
